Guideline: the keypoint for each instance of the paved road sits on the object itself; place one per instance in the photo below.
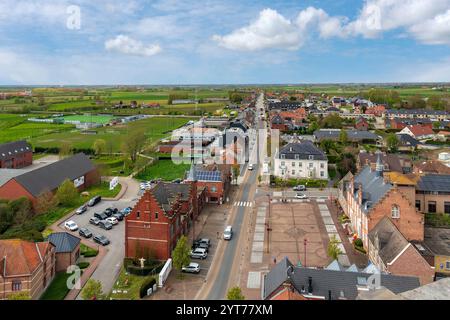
(219, 290)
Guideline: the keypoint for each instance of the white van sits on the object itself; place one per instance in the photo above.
(228, 233)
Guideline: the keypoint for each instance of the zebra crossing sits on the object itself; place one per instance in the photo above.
(244, 203)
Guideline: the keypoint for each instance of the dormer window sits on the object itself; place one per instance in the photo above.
(297, 157)
(283, 156)
(395, 212)
(311, 157)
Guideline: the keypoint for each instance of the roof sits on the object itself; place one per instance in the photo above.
(407, 140)
(166, 193)
(390, 161)
(399, 178)
(53, 175)
(19, 257)
(374, 187)
(389, 240)
(432, 166)
(438, 290)
(302, 150)
(8, 150)
(438, 240)
(342, 284)
(64, 242)
(434, 183)
(419, 130)
(416, 111)
(354, 135)
(8, 174)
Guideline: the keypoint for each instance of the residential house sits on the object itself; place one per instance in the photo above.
(67, 249)
(437, 241)
(417, 114)
(16, 155)
(438, 290)
(370, 196)
(377, 110)
(301, 160)
(391, 162)
(431, 167)
(26, 267)
(79, 169)
(407, 143)
(352, 135)
(419, 132)
(401, 123)
(362, 124)
(284, 105)
(392, 253)
(433, 193)
(161, 216)
(326, 284)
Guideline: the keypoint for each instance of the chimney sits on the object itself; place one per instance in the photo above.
(310, 288)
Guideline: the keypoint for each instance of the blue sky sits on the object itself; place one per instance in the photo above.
(216, 42)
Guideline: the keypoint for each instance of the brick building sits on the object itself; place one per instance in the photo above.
(162, 215)
(369, 196)
(32, 184)
(26, 267)
(214, 179)
(391, 162)
(362, 124)
(16, 155)
(67, 249)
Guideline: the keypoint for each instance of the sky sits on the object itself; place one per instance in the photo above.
(113, 42)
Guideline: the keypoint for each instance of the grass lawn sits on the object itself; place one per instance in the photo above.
(103, 190)
(164, 169)
(86, 251)
(129, 283)
(90, 118)
(58, 288)
(29, 130)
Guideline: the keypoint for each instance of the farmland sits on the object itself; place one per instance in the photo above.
(163, 169)
(17, 130)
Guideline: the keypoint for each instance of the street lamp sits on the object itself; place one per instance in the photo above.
(304, 244)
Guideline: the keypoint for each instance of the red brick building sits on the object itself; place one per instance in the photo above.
(16, 155)
(32, 184)
(162, 215)
(26, 267)
(362, 124)
(67, 249)
(215, 180)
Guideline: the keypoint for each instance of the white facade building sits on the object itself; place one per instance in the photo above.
(301, 160)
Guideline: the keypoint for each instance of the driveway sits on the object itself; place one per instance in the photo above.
(109, 267)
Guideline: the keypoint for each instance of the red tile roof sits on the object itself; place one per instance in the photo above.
(419, 130)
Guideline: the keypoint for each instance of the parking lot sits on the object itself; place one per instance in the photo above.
(110, 265)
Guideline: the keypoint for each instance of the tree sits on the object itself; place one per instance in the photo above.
(133, 144)
(236, 171)
(417, 102)
(181, 254)
(333, 121)
(99, 146)
(333, 250)
(46, 202)
(346, 163)
(92, 290)
(327, 145)
(65, 150)
(343, 137)
(392, 142)
(235, 293)
(67, 194)
(22, 210)
(22, 295)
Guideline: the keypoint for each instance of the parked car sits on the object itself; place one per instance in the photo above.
(85, 232)
(200, 245)
(71, 225)
(94, 220)
(112, 220)
(81, 209)
(301, 196)
(228, 233)
(94, 201)
(104, 224)
(250, 166)
(100, 216)
(119, 216)
(104, 241)
(127, 211)
(300, 187)
(176, 181)
(193, 267)
(201, 242)
(199, 253)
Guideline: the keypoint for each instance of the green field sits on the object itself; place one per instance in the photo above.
(29, 130)
(90, 118)
(154, 128)
(165, 170)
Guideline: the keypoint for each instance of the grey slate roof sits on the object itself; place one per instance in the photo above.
(303, 150)
(438, 290)
(63, 241)
(374, 187)
(415, 112)
(434, 183)
(166, 193)
(8, 174)
(352, 135)
(10, 149)
(407, 140)
(342, 284)
(390, 240)
(51, 176)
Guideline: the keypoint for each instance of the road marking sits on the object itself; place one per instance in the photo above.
(243, 204)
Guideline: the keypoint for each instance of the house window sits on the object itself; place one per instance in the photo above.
(297, 157)
(322, 165)
(300, 164)
(156, 215)
(293, 164)
(395, 212)
(282, 163)
(311, 165)
(138, 214)
(432, 206)
(283, 156)
(16, 285)
(213, 189)
(418, 207)
(447, 265)
(293, 172)
(322, 174)
(446, 207)
(311, 157)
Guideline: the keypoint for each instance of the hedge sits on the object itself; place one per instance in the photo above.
(150, 267)
(145, 286)
(311, 183)
(55, 150)
(83, 265)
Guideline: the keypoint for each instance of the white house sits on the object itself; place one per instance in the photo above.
(301, 160)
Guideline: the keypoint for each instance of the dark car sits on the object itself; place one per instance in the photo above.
(119, 216)
(110, 211)
(100, 216)
(104, 241)
(81, 209)
(204, 241)
(94, 201)
(105, 225)
(85, 232)
(94, 220)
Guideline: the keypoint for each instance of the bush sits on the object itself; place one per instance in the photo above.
(83, 265)
(88, 252)
(145, 286)
(358, 243)
(133, 266)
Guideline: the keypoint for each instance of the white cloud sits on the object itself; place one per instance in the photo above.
(127, 45)
(433, 31)
(312, 18)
